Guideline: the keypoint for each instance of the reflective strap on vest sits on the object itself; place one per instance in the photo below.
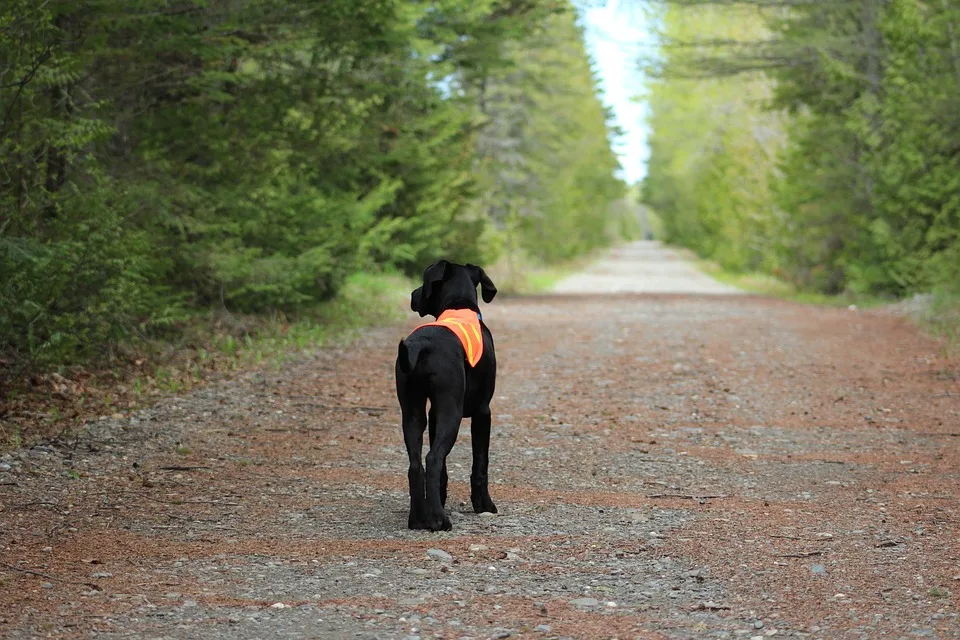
(471, 331)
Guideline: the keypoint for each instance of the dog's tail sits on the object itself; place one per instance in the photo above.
(407, 356)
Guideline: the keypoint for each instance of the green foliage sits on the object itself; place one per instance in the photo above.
(162, 158)
(712, 143)
(548, 169)
(863, 193)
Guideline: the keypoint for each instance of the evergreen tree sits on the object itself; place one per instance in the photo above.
(160, 158)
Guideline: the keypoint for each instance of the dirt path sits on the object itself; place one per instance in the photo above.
(667, 466)
(642, 267)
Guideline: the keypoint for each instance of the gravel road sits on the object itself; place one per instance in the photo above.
(668, 463)
(643, 267)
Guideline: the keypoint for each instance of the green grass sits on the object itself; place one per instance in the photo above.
(937, 314)
(521, 275)
(544, 278)
(11, 437)
(366, 300)
(941, 318)
(234, 341)
(767, 285)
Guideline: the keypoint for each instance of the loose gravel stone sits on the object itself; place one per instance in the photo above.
(440, 554)
(585, 602)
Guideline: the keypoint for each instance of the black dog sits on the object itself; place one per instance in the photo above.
(433, 364)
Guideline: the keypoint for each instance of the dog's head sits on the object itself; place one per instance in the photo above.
(447, 285)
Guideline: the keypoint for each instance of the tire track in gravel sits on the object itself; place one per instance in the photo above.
(667, 466)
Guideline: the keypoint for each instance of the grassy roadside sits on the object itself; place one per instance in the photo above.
(937, 314)
(210, 347)
(217, 344)
(767, 285)
(940, 316)
(519, 275)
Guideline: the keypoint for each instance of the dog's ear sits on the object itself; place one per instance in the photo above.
(416, 301)
(487, 289)
(432, 275)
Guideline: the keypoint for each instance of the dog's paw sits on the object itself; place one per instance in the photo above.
(483, 504)
(440, 524)
(430, 524)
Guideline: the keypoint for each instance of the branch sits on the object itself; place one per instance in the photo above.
(684, 496)
(23, 83)
(252, 38)
(48, 577)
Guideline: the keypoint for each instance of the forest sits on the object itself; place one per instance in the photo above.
(815, 141)
(160, 159)
(168, 163)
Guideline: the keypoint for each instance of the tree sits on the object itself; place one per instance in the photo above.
(713, 140)
(865, 189)
(549, 178)
(160, 159)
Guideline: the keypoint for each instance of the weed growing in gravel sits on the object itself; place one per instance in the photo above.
(10, 438)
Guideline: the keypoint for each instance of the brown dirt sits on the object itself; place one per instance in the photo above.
(714, 466)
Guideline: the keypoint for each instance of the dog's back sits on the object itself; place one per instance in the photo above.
(427, 349)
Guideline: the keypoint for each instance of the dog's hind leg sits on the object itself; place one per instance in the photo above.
(480, 434)
(448, 416)
(414, 423)
(432, 426)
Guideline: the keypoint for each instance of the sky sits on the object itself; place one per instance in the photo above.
(614, 35)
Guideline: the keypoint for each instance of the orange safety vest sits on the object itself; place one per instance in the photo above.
(465, 324)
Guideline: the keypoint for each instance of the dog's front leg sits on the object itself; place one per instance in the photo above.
(448, 424)
(480, 434)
